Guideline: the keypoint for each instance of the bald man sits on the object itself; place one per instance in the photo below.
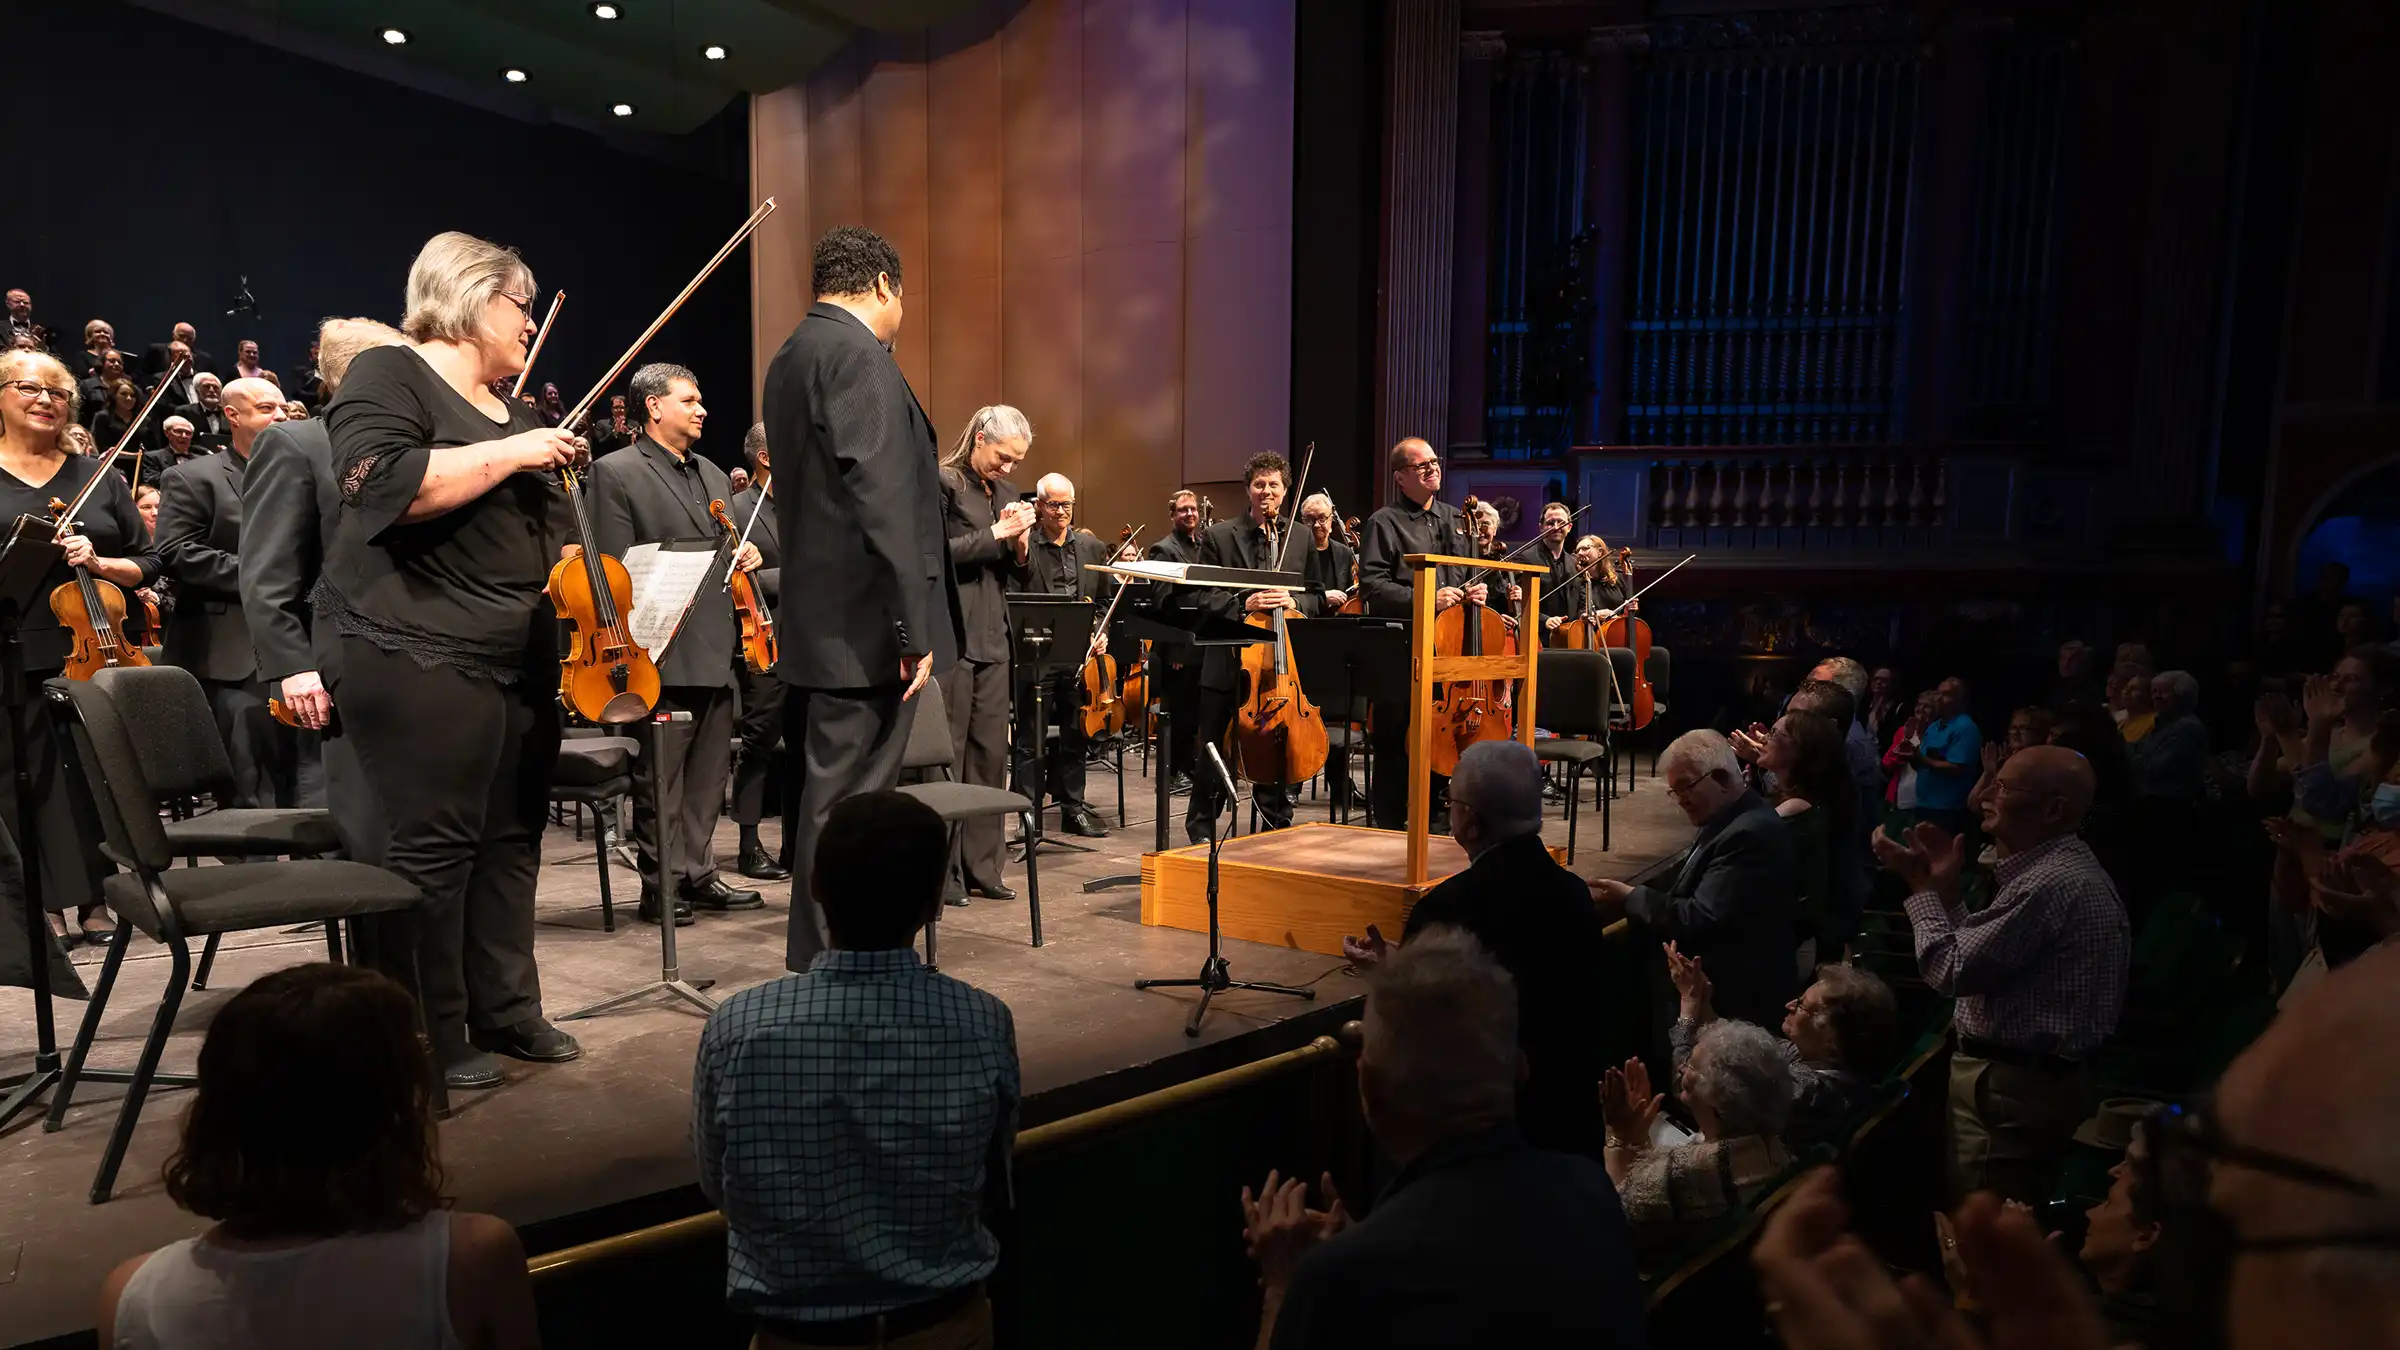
(200, 542)
(2039, 974)
(1058, 562)
(1417, 521)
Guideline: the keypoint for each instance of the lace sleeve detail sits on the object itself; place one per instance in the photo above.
(354, 480)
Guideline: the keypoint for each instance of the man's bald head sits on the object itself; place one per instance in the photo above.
(2044, 793)
(250, 392)
(1055, 487)
(251, 406)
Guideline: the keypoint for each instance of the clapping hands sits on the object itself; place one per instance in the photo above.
(1692, 988)
(1278, 1227)
(1628, 1105)
(1368, 952)
(1750, 742)
(1930, 859)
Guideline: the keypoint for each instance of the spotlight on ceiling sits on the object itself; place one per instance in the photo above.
(393, 37)
(623, 110)
(605, 10)
(712, 52)
(513, 75)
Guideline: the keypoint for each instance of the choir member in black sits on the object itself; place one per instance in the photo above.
(1178, 682)
(989, 533)
(199, 544)
(1416, 522)
(860, 516)
(291, 506)
(760, 722)
(447, 677)
(37, 404)
(1058, 562)
(657, 491)
(1593, 588)
(1244, 543)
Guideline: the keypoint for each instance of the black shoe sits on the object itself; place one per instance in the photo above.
(1180, 785)
(714, 894)
(649, 909)
(991, 891)
(757, 865)
(532, 1039)
(1079, 820)
(471, 1070)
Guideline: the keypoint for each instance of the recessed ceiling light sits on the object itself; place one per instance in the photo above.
(713, 52)
(513, 75)
(623, 110)
(394, 37)
(605, 10)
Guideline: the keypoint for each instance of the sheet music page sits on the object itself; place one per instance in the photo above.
(1144, 569)
(666, 578)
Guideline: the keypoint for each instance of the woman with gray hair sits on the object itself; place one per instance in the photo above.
(1738, 1089)
(988, 533)
(1837, 1039)
(434, 584)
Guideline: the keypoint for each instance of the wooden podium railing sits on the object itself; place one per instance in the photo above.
(1427, 670)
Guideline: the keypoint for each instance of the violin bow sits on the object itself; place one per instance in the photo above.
(1111, 612)
(1657, 579)
(1511, 555)
(540, 336)
(1283, 550)
(131, 429)
(747, 526)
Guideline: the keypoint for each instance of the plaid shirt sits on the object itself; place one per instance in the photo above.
(2042, 968)
(844, 1120)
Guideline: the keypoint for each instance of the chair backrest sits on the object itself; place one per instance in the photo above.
(1573, 694)
(173, 730)
(105, 774)
(929, 744)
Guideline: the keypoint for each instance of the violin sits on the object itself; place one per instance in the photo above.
(1103, 689)
(93, 611)
(1467, 711)
(750, 612)
(1584, 632)
(1277, 735)
(1357, 603)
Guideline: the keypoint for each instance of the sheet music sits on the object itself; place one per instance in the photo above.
(666, 578)
(1143, 569)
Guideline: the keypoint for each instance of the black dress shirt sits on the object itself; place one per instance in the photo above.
(1240, 543)
(1395, 532)
(1063, 568)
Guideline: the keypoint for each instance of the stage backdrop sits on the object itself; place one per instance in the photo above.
(1092, 200)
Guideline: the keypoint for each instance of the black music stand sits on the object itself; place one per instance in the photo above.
(1372, 654)
(1047, 634)
(1216, 973)
(670, 972)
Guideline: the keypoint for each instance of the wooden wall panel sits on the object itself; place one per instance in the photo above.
(1041, 229)
(962, 325)
(836, 190)
(896, 191)
(779, 250)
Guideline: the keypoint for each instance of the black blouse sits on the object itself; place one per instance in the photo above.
(1568, 600)
(465, 588)
(107, 519)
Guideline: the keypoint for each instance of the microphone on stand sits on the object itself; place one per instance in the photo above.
(1217, 762)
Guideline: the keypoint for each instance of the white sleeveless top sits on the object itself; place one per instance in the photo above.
(364, 1291)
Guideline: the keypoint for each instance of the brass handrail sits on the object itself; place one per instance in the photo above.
(1040, 1139)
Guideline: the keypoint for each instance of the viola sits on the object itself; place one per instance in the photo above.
(603, 676)
(1357, 603)
(1467, 711)
(93, 611)
(750, 613)
(1103, 689)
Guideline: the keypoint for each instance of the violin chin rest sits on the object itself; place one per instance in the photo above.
(624, 708)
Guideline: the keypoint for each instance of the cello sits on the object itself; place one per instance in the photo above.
(1103, 691)
(1586, 631)
(1467, 711)
(1357, 603)
(91, 609)
(753, 621)
(1277, 735)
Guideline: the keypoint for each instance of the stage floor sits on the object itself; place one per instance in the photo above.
(610, 1129)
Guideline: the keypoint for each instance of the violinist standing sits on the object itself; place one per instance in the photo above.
(1329, 569)
(860, 515)
(657, 491)
(988, 533)
(1058, 561)
(1247, 543)
(448, 671)
(1415, 522)
(759, 725)
(1178, 682)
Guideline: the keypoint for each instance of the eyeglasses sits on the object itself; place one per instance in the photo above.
(1423, 469)
(524, 304)
(1685, 793)
(33, 391)
(2180, 1139)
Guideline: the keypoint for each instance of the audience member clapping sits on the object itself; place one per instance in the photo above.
(1812, 793)
(331, 1226)
(2170, 764)
(1482, 1240)
(2135, 712)
(1737, 1084)
(1884, 709)
(1837, 1036)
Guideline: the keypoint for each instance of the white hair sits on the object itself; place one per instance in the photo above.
(1739, 1070)
(1052, 482)
(207, 377)
(993, 422)
(454, 277)
(177, 421)
(1441, 1029)
(339, 341)
(2181, 687)
(1706, 751)
(1849, 674)
(1315, 499)
(1502, 782)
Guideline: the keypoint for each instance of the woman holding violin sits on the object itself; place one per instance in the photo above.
(1593, 593)
(108, 542)
(435, 583)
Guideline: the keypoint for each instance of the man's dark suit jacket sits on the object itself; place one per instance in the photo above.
(210, 430)
(858, 503)
(155, 360)
(1536, 919)
(200, 542)
(1241, 543)
(769, 576)
(1732, 904)
(289, 503)
(638, 496)
(981, 566)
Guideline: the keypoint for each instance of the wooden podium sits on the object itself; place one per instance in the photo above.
(1309, 886)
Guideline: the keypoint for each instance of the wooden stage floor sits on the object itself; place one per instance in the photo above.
(574, 1150)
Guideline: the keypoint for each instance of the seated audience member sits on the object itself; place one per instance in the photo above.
(331, 1224)
(1732, 903)
(2253, 1194)
(1536, 919)
(1812, 792)
(1947, 757)
(2139, 714)
(1482, 1239)
(2039, 973)
(853, 1119)
(1837, 1037)
(2120, 1234)
(2171, 763)
(1738, 1087)
(2075, 688)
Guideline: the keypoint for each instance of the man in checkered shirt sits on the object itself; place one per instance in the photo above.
(852, 1119)
(2039, 974)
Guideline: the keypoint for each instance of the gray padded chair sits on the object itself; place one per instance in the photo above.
(929, 750)
(172, 905)
(595, 772)
(1574, 703)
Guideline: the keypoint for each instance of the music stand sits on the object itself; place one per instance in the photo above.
(1372, 653)
(1047, 634)
(670, 974)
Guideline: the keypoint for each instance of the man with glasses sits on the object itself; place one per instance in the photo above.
(1415, 522)
(1058, 561)
(2039, 973)
(206, 412)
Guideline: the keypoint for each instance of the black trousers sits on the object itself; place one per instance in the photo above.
(461, 765)
(1274, 800)
(70, 865)
(759, 724)
(1390, 744)
(976, 694)
(1063, 764)
(1179, 691)
(697, 755)
(273, 765)
(838, 743)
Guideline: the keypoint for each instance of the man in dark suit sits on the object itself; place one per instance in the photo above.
(657, 491)
(988, 533)
(200, 543)
(211, 429)
(1178, 682)
(1244, 543)
(162, 354)
(859, 514)
(180, 390)
(1732, 902)
(1537, 919)
(759, 724)
(175, 447)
